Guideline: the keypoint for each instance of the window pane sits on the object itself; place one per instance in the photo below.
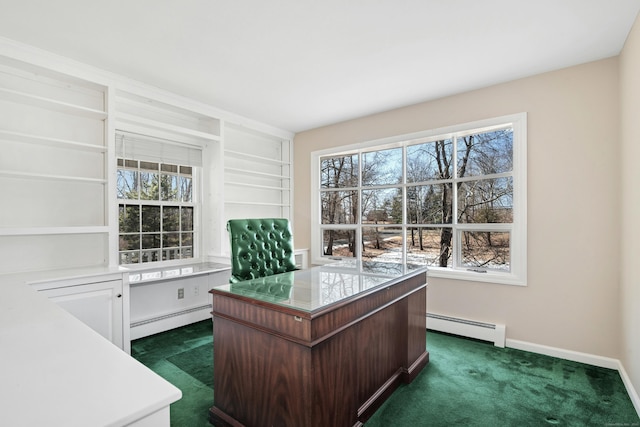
(170, 240)
(382, 167)
(430, 204)
(490, 250)
(149, 166)
(186, 189)
(429, 161)
(150, 218)
(186, 252)
(187, 239)
(150, 256)
(169, 186)
(169, 254)
(339, 172)
(187, 219)
(129, 242)
(127, 182)
(383, 244)
(430, 246)
(149, 186)
(485, 153)
(378, 206)
(486, 201)
(171, 218)
(339, 243)
(129, 219)
(130, 257)
(150, 241)
(339, 207)
(169, 168)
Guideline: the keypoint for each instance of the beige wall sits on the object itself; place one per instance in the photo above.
(630, 134)
(572, 297)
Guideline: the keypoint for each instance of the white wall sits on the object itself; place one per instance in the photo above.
(630, 212)
(572, 298)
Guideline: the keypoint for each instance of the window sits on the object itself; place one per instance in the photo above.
(452, 199)
(157, 208)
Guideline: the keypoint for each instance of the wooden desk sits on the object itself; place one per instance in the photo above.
(318, 347)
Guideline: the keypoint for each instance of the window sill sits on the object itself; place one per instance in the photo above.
(474, 276)
(469, 276)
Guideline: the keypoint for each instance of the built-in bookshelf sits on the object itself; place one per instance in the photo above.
(53, 169)
(257, 174)
(58, 125)
(62, 125)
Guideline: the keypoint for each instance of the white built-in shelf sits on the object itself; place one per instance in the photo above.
(42, 231)
(150, 108)
(244, 202)
(257, 186)
(51, 104)
(48, 177)
(167, 127)
(256, 173)
(246, 156)
(46, 75)
(6, 135)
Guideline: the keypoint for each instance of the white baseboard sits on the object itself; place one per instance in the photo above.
(633, 394)
(576, 356)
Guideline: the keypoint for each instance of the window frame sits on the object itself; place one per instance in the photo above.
(518, 228)
(194, 204)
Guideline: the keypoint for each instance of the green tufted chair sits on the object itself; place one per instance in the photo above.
(260, 247)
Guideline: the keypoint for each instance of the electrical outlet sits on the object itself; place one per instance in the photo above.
(180, 293)
(196, 290)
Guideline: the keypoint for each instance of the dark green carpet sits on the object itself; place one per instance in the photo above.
(466, 383)
(191, 361)
(472, 383)
(168, 354)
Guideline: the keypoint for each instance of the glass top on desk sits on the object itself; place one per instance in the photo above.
(318, 287)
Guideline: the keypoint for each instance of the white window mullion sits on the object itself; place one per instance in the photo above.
(456, 253)
(405, 249)
(357, 250)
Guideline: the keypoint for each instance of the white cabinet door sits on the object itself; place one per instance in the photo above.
(98, 305)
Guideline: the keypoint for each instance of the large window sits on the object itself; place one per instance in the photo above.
(452, 199)
(157, 206)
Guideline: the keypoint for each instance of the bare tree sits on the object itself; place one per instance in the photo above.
(339, 206)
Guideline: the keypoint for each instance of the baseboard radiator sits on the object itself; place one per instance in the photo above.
(495, 333)
(170, 315)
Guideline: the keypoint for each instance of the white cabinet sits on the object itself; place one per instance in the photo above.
(99, 302)
(98, 305)
(167, 298)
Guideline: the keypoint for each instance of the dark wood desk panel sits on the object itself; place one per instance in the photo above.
(275, 365)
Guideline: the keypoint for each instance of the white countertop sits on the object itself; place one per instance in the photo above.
(154, 274)
(56, 371)
(37, 277)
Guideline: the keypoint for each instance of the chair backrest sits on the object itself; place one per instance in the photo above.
(275, 288)
(260, 247)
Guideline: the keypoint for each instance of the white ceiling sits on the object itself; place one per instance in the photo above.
(300, 64)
